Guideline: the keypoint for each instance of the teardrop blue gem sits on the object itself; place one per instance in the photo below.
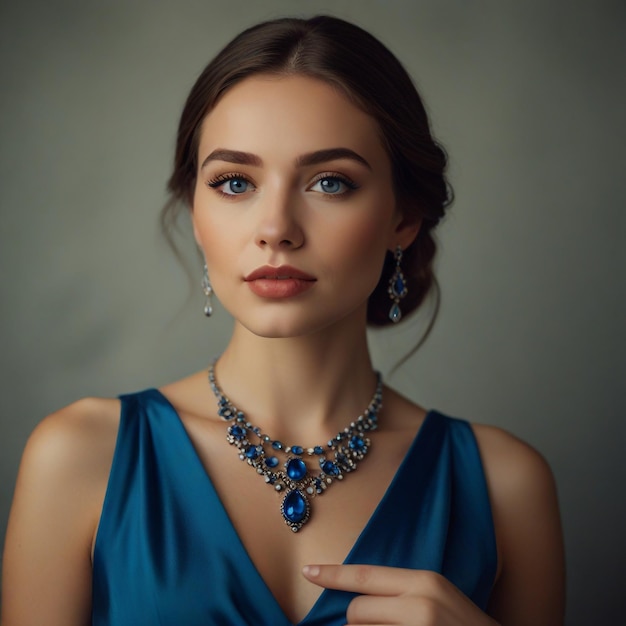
(395, 315)
(398, 287)
(295, 507)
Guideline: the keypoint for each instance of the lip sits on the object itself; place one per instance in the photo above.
(279, 282)
(282, 272)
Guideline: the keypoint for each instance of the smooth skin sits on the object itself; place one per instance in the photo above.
(269, 192)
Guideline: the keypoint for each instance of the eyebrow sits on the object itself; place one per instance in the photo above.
(331, 154)
(233, 156)
(311, 158)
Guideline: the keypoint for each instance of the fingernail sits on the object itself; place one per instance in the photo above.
(311, 571)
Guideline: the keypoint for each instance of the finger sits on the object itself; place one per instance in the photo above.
(383, 610)
(365, 579)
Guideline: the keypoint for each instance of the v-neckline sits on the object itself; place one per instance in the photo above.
(361, 538)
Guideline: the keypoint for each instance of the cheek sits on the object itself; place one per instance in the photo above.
(360, 250)
(217, 248)
(214, 229)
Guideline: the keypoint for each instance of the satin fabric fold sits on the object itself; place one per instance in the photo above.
(167, 553)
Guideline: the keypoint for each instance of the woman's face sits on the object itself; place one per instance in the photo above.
(294, 205)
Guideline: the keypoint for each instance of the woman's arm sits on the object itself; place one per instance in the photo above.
(531, 585)
(58, 497)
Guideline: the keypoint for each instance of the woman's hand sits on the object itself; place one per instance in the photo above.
(399, 596)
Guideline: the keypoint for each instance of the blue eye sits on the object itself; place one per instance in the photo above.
(230, 185)
(235, 186)
(333, 185)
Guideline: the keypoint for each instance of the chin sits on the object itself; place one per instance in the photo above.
(285, 326)
(280, 330)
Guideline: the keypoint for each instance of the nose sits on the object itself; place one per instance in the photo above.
(278, 226)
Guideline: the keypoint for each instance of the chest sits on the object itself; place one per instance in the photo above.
(338, 516)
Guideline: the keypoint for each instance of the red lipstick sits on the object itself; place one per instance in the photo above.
(279, 282)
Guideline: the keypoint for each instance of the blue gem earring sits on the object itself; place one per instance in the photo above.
(397, 288)
(208, 292)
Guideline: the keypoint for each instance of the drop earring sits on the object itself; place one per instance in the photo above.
(208, 292)
(397, 288)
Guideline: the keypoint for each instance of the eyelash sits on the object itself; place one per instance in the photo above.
(218, 181)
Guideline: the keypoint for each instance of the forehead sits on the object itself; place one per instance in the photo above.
(290, 114)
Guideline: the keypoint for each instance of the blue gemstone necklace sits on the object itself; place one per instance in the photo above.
(295, 479)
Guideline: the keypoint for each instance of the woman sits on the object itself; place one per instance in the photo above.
(313, 184)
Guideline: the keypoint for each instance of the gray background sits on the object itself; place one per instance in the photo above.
(529, 100)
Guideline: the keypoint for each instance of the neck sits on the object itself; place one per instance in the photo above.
(300, 389)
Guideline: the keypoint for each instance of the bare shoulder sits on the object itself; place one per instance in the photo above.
(509, 462)
(81, 435)
(523, 494)
(81, 418)
(56, 508)
(520, 481)
(68, 457)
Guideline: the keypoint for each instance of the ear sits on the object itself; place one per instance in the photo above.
(405, 232)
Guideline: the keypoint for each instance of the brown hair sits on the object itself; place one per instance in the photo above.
(348, 57)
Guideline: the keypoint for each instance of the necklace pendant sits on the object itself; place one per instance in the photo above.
(295, 509)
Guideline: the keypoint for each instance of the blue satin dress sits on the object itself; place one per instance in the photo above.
(167, 554)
